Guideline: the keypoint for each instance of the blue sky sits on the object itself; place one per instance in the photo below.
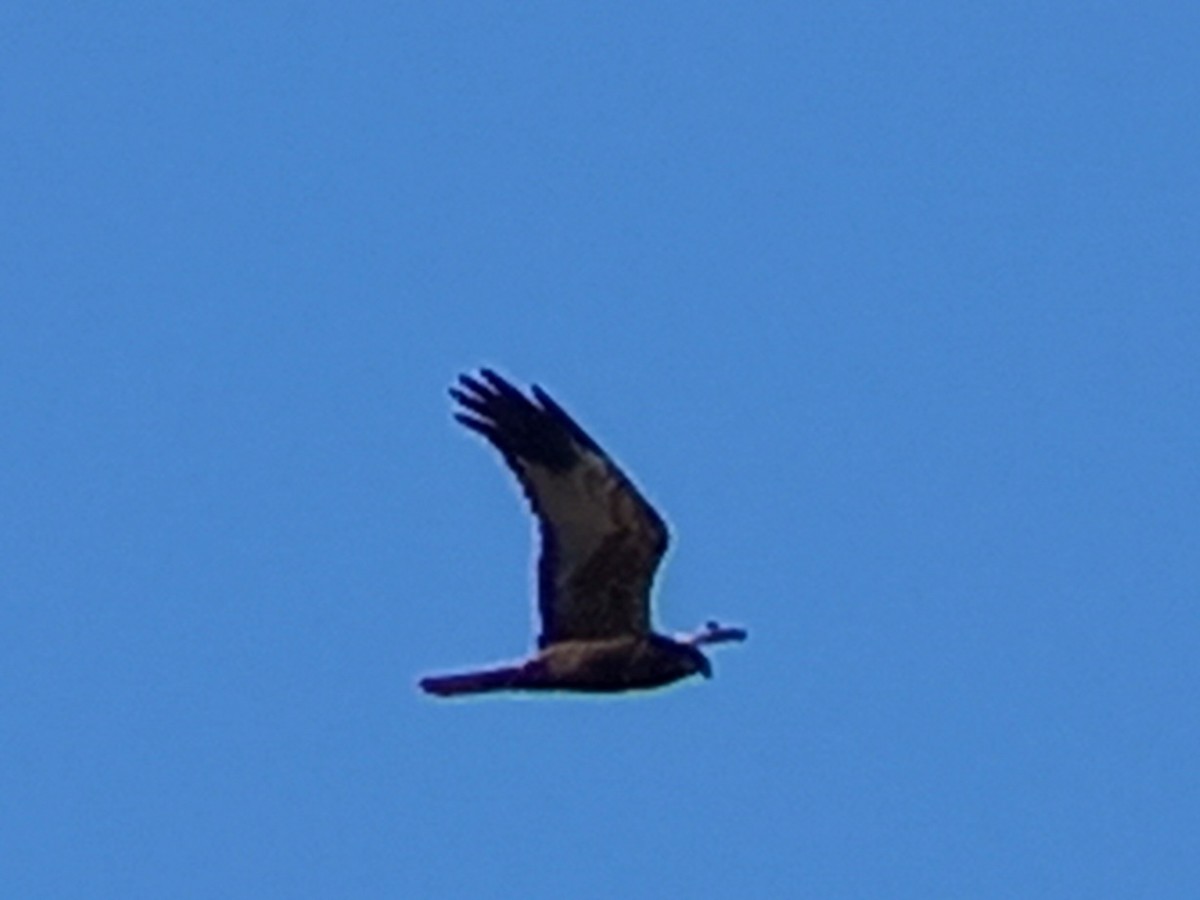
(893, 310)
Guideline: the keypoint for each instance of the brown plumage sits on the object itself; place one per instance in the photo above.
(601, 544)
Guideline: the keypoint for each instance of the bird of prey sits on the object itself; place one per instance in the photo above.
(600, 545)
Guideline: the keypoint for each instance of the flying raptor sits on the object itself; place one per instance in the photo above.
(601, 543)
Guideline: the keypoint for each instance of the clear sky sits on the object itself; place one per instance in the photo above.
(892, 309)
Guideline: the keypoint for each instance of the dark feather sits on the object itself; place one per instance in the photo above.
(601, 541)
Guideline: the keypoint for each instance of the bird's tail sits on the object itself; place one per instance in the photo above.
(504, 679)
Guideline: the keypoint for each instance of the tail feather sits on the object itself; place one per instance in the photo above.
(473, 682)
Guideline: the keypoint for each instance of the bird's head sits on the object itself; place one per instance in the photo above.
(673, 660)
(695, 661)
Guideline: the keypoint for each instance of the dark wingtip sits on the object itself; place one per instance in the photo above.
(468, 385)
(494, 407)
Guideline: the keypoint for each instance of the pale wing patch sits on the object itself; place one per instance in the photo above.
(577, 504)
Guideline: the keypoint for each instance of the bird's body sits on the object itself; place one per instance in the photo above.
(604, 666)
(601, 544)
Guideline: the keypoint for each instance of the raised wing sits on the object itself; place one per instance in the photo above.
(601, 540)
